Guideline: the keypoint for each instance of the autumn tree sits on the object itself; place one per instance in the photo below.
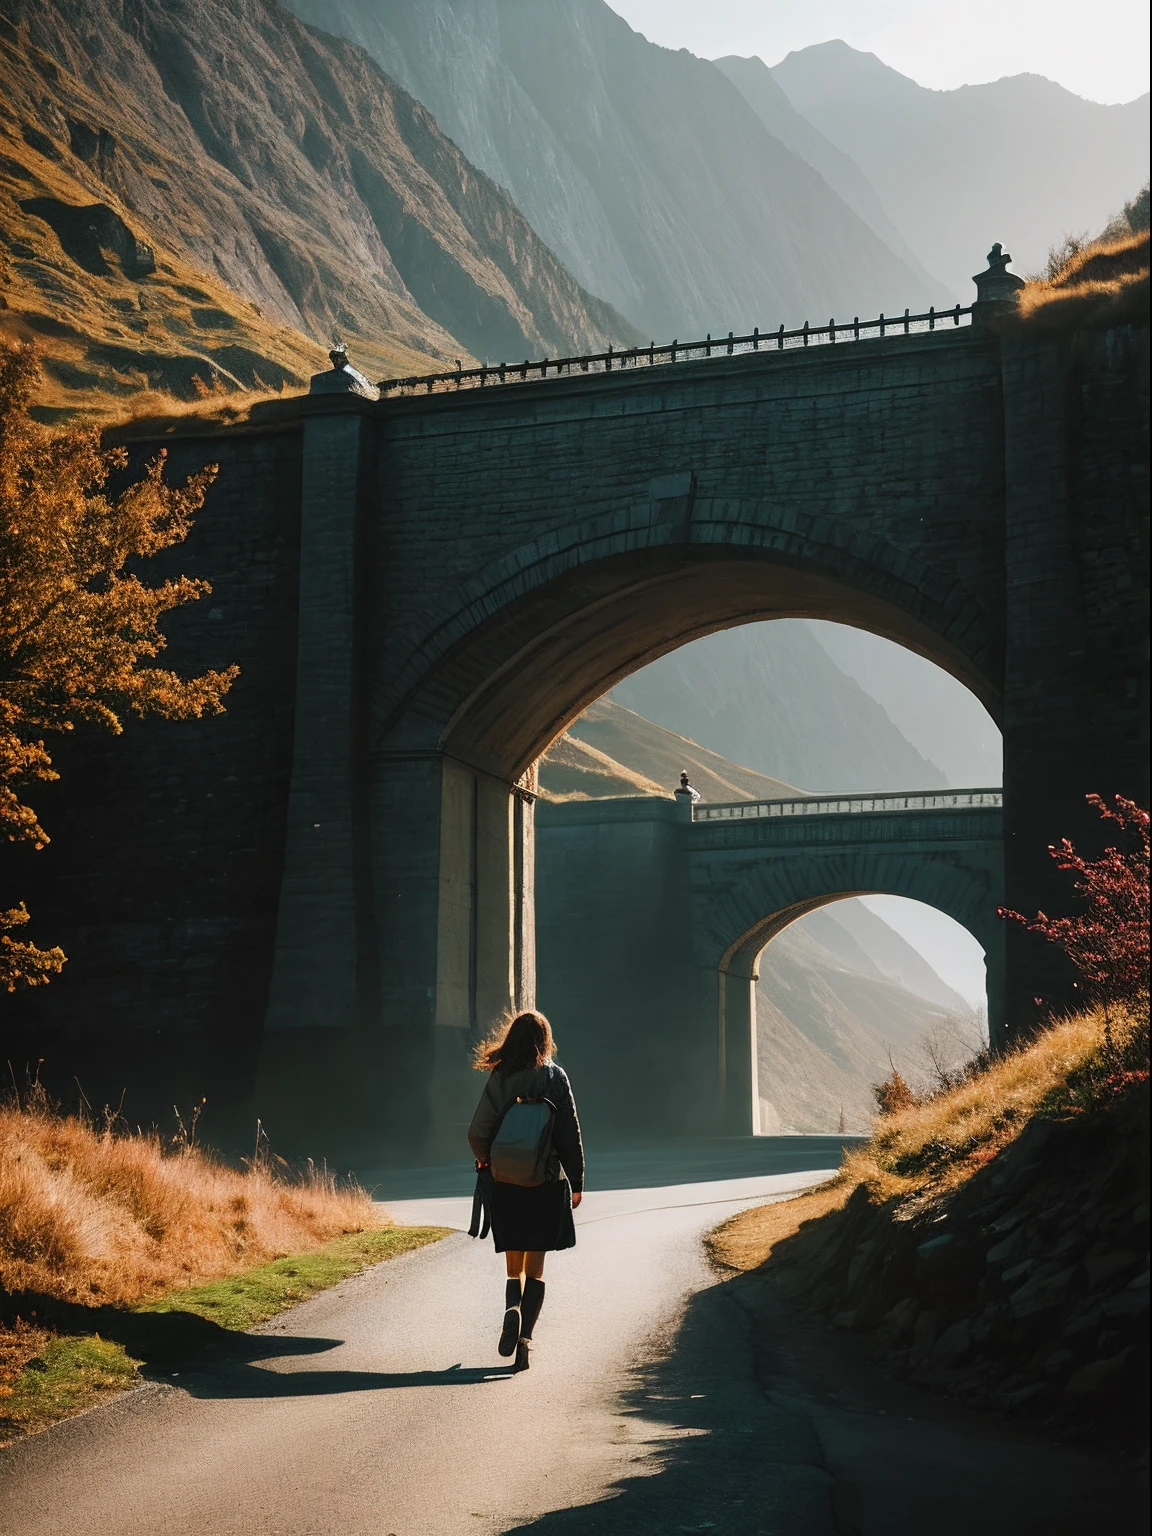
(79, 629)
(1107, 941)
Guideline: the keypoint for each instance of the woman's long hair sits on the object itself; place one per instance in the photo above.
(525, 1041)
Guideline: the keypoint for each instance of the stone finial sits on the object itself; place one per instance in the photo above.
(686, 792)
(342, 378)
(996, 286)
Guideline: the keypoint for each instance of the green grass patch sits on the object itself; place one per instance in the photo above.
(66, 1375)
(241, 1301)
(69, 1373)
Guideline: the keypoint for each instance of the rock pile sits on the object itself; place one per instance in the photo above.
(1024, 1290)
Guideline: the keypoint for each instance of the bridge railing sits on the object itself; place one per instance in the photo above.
(840, 805)
(834, 333)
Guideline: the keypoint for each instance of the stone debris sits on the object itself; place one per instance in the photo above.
(1023, 1291)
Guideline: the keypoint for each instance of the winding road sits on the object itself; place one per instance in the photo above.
(381, 1408)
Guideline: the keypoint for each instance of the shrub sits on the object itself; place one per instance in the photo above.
(893, 1094)
(1108, 941)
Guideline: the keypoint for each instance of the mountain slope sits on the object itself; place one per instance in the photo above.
(1020, 160)
(288, 166)
(641, 758)
(855, 934)
(755, 82)
(944, 722)
(112, 313)
(825, 1034)
(810, 724)
(644, 169)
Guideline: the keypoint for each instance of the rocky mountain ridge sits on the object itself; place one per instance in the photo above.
(285, 165)
(643, 168)
(1020, 160)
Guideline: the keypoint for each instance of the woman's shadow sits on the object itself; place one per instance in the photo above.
(208, 1361)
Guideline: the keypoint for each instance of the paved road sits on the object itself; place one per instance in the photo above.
(382, 1407)
(660, 1402)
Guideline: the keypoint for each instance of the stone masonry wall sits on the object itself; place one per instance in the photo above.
(162, 879)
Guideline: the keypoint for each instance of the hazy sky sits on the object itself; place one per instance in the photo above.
(950, 950)
(1099, 51)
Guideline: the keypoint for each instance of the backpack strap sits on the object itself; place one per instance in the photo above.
(481, 1205)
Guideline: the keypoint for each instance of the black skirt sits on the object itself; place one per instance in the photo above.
(538, 1218)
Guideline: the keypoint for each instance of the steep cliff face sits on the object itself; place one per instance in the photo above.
(288, 166)
(1019, 160)
(755, 82)
(645, 169)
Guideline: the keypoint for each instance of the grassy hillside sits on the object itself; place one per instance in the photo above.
(86, 1211)
(992, 1240)
(1099, 283)
(612, 751)
(116, 334)
(174, 211)
(119, 1250)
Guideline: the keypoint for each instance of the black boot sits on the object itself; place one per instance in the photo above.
(529, 1312)
(510, 1333)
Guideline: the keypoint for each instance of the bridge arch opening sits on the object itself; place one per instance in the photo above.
(800, 1044)
(671, 916)
(519, 651)
(533, 640)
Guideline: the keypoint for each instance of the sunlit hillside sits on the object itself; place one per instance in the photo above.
(611, 750)
(168, 215)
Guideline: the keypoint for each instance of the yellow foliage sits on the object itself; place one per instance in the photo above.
(77, 630)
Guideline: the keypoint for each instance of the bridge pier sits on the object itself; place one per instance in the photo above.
(739, 1094)
(484, 925)
(313, 1060)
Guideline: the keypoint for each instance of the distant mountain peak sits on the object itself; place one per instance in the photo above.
(1020, 159)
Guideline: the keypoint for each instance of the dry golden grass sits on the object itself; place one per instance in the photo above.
(746, 1241)
(933, 1147)
(88, 1215)
(1105, 281)
(938, 1144)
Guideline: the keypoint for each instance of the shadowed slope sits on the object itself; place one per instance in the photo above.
(643, 168)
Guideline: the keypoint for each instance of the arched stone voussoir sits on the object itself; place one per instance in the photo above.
(751, 901)
(561, 618)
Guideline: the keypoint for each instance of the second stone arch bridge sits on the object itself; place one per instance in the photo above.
(652, 915)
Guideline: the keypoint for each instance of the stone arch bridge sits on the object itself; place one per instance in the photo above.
(326, 892)
(656, 910)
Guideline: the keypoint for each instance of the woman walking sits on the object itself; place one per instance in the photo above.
(528, 1098)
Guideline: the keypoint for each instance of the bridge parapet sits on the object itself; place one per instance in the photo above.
(851, 805)
(493, 375)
